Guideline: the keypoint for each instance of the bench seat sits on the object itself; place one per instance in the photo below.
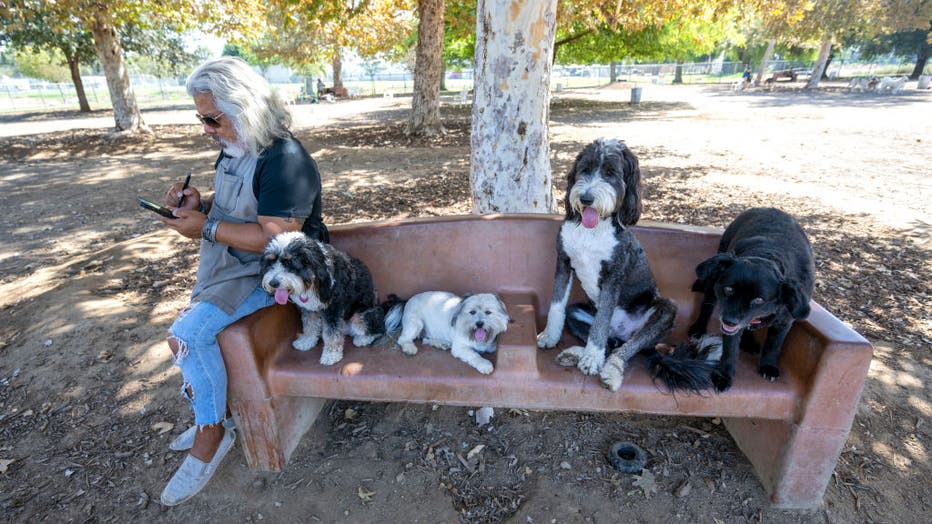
(792, 430)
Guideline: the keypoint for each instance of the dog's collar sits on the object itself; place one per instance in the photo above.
(303, 298)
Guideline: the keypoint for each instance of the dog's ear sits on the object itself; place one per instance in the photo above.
(315, 265)
(458, 310)
(501, 304)
(710, 269)
(630, 211)
(795, 299)
(570, 181)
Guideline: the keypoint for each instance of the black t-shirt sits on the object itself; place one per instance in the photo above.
(287, 184)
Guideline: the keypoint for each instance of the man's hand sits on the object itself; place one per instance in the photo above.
(192, 197)
(189, 223)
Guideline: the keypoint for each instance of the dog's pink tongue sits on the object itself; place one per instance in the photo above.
(480, 335)
(281, 295)
(590, 218)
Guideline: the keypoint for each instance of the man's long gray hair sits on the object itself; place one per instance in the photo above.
(257, 113)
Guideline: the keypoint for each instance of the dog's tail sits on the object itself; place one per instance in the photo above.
(579, 319)
(393, 309)
(689, 366)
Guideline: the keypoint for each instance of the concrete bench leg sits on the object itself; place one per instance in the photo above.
(793, 462)
(794, 459)
(271, 429)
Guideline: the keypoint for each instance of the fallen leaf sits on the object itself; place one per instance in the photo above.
(645, 481)
(475, 451)
(5, 463)
(366, 496)
(162, 427)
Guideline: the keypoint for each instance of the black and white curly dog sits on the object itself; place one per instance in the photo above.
(626, 313)
(333, 291)
(762, 276)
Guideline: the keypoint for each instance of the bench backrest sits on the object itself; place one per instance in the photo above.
(511, 253)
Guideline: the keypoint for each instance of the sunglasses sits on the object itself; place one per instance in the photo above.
(209, 120)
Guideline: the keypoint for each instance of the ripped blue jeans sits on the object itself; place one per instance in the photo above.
(205, 375)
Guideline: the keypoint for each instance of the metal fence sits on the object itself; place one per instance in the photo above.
(26, 95)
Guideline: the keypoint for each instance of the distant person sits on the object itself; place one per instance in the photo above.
(746, 75)
(320, 88)
(265, 183)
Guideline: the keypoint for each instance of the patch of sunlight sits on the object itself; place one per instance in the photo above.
(915, 448)
(832, 196)
(920, 404)
(151, 369)
(101, 307)
(886, 452)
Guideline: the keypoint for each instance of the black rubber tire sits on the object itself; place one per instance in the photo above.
(627, 457)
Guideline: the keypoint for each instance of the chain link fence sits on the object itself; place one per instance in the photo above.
(19, 95)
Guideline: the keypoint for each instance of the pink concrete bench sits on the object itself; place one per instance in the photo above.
(791, 430)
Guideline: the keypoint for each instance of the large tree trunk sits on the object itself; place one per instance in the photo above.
(922, 57)
(337, 70)
(510, 158)
(819, 66)
(763, 63)
(425, 105)
(125, 110)
(613, 72)
(678, 73)
(75, 69)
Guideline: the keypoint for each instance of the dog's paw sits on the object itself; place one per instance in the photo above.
(569, 357)
(769, 372)
(722, 380)
(331, 356)
(613, 374)
(409, 348)
(547, 340)
(482, 366)
(304, 343)
(591, 361)
(438, 343)
(363, 340)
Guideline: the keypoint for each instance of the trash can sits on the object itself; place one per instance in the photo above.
(635, 95)
(924, 82)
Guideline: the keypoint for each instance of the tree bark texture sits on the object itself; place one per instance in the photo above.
(428, 66)
(763, 63)
(110, 52)
(75, 69)
(922, 56)
(337, 64)
(819, 66)
(510, 156)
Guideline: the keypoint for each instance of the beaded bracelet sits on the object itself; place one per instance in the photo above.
(209, 231)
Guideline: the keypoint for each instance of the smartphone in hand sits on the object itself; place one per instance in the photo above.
(152, 206)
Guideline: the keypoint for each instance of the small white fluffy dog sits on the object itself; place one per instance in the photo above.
(894, 85)
(467, 325)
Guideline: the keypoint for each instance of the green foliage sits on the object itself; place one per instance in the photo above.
(42, 64)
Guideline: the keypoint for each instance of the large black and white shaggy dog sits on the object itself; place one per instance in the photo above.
(762, 276)
(333, 291)
(603, 198)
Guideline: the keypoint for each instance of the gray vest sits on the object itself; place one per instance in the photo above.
(225, 275)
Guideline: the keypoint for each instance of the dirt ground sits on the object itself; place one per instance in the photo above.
(89, 284)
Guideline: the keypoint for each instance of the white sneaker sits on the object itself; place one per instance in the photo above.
(185, 441)
(194, 474)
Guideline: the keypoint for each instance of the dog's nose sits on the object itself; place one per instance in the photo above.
(480, 324)
(274, 282)
(586, 199)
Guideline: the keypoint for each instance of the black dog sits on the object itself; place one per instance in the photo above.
(762, 276)
(603, 198)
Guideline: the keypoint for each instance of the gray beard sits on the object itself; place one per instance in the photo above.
(234, 149)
